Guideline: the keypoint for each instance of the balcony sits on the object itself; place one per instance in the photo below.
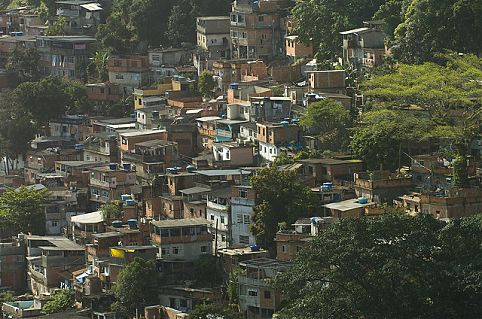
(242, 201)
(218, 207)
(104, 184)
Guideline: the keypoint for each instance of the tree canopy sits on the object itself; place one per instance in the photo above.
(320, 21)
(21, 211)
(136, 286)
(433, 26)
(395, 266)
(25, 62)
(328, 120)
(60, 301)
(206, 83)
(382, 136)
(281, 197)
(213, 311)
(449, 94)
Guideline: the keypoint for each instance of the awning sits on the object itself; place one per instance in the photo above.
(92, 6)
(89, 218)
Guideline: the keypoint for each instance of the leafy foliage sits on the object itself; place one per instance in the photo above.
(328, 120)
(58, 28)
(206, 271)
(396, 266)
(24, 61)
(450, 93)
(281, 197)
(383, 134)
(206, 83)
(321, 21)
(460, 174)
(61, 301)
(21, 211)
(112, 210)
(433, 26)
(136, 286)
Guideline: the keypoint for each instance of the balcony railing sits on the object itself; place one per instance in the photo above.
(96, 182)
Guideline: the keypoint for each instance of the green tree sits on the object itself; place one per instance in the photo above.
(392, 12)
(320, 21)
(100, 60)
(460, 174)
(383, 135)
(21, 211)
(112, 210)
(58, 28)
(395, 266)
(206, 270)
(6, 296)
(281, 197)
(449, 92)
(59, 302)
(328, 120)
(206, 83)
(433, 26)
(214, 311)
(24, 61)
(181, 24)
(136, 286)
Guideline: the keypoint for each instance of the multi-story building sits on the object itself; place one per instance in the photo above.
(232, 154)
(257, 299)
(12, 265)
(381, 186)
(129, 139)
(297, 50)
(128, 72)
(319, 170)
(69, 126)
(332, 81)
(49, 258)
(243, 199)
(218, 213)
(181, 239)
(65, 56)
(257, 28)
(212, 41)
(108, 183)
(364, 47)
(103, 92)
(154, 116)
(84, 226)
(152, 157)
(82, 17)
(100, 148)
(272, 136)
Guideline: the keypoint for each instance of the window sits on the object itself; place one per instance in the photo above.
(204, 249)
(252, 293)
(261, 18)
(284, 248)
(244, 239)
(156, 57)
(172, 302)
(246, 219)
(175, 250)
(164, 251)
(267, 294)
(298, 248)
(212, 217)
(223, 237)
(183, 303)
(222, 219)
(119, 77)
(54, 223)
(239, 218)
(243, 193)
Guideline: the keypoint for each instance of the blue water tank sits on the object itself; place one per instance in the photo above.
(362, 200)
(155, 114)
(132, 223)
(117, 224)
(255, 247)
(327, 186)
(190, 168)
(234, 86)
(113, 166)
(130, 202)
(126, 166)
(125, 197)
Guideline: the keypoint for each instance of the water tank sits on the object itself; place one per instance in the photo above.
(125, 197)
(190, 168)
(130, 202)
(126, 166)
(326, 187)
(285, 123)
(234, 86)
(79, 146)
(255, 247)
(132, 223)
(155, 114)
(362, 200)
(172, 170)
(113, 166)
(117, 224)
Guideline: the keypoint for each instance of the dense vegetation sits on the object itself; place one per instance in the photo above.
(395, 266)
